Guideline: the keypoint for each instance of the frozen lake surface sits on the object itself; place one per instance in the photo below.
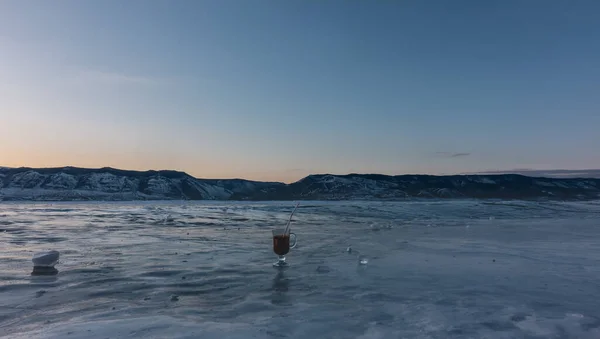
(461, 269)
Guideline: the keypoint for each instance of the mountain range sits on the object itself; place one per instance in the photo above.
(72, 183)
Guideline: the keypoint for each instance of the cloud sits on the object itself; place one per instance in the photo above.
(455, 155)
(452, 155)
(113, 78)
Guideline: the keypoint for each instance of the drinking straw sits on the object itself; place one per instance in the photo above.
(287, 227)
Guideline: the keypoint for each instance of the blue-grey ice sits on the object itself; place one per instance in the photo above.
(532, 272)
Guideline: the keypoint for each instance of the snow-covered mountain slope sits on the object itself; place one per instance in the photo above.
(70, 183)
(375, 186)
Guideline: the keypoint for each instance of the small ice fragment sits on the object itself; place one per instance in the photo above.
(168, 219)
(45, 259)
(349, 249)
(363, 260)
(43, 263)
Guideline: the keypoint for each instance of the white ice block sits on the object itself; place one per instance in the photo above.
(45, 259)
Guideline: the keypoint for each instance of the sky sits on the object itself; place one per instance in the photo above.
(277, 90)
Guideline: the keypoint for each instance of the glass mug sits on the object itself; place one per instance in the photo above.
(281, 245)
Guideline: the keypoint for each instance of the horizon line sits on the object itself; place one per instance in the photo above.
(558, 173)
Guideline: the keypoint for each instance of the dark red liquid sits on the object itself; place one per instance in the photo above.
(281, 244)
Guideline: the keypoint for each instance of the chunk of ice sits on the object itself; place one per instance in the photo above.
(363, 260)
(45, 259)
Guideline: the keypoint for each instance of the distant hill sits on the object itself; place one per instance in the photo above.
(556, 173)
(375, 186)
(72, 183)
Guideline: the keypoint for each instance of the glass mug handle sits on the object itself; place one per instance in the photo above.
(293, 236)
